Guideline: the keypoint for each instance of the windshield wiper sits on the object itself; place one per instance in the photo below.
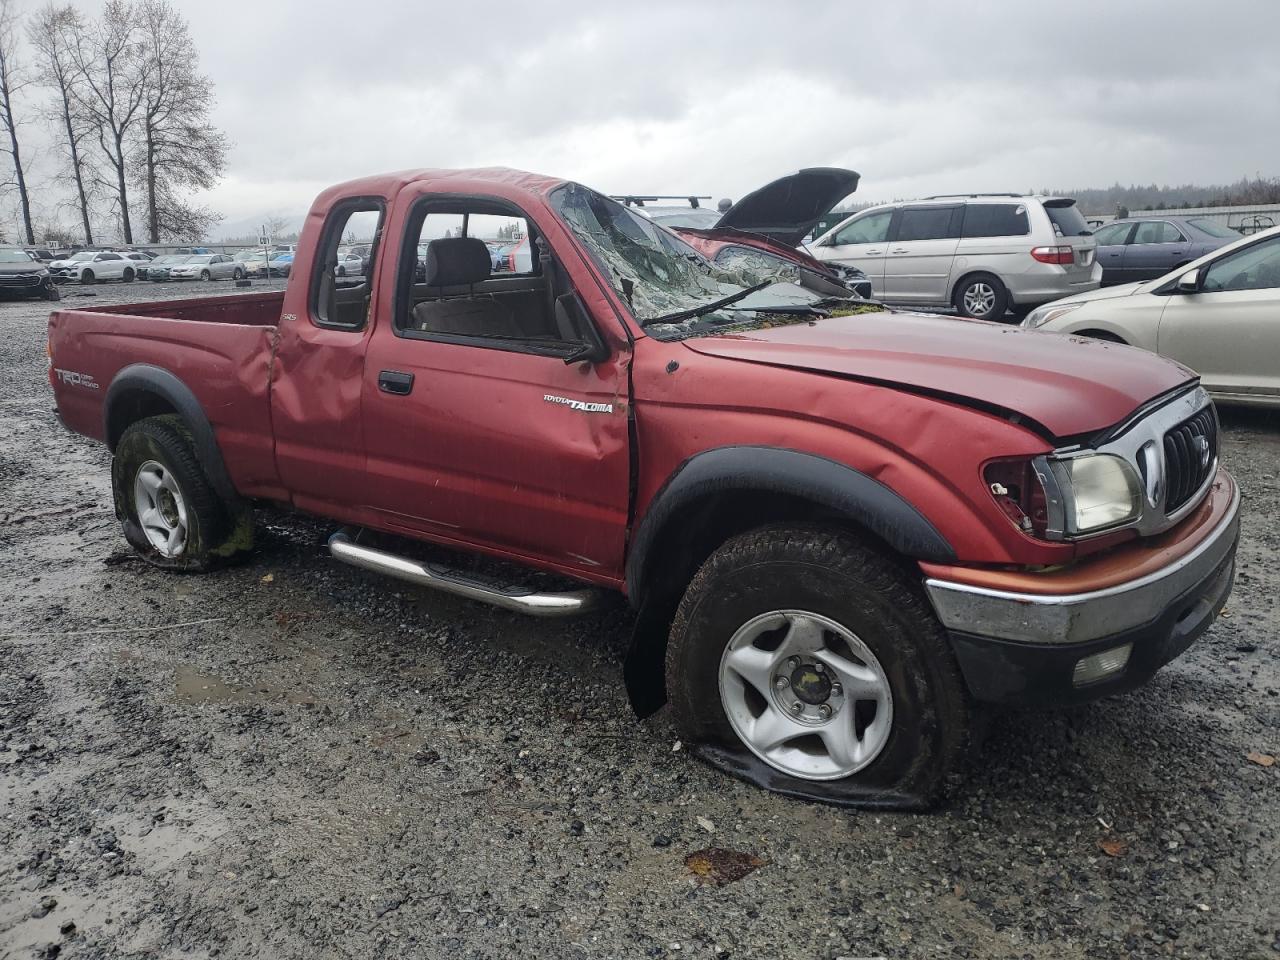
(698, 311)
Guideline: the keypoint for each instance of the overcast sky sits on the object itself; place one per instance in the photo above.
(720, 97)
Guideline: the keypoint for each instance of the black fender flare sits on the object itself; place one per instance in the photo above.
(827, 483)
(830, 484)
(146, 378)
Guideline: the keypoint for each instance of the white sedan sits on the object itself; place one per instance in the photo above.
(1219, 315)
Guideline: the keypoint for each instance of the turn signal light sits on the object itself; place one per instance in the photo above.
(1019, 493)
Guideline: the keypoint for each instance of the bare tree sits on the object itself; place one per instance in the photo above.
(12, 81)
(178, 149)
(55, 33)
(111, 62)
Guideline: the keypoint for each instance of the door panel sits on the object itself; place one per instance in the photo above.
(1231, 338)
(1153, 250)
(499, 448)
(861, 243)
(922, 250)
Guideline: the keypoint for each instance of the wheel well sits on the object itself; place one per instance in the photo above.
(1106, 335)
(955, 289)
(698, 528)
(131, 407)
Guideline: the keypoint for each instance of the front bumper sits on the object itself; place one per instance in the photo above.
(1024, 645)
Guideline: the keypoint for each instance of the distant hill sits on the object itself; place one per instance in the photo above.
(1094, 201)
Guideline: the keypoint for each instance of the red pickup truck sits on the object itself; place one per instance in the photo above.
(840, 527)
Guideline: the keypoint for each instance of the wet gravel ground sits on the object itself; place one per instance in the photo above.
(292, 758)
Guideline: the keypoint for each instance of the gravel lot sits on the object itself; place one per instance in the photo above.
(321, 763)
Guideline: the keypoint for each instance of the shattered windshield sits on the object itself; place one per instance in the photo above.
(664, 279)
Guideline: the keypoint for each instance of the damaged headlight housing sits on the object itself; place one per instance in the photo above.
(1056, 498)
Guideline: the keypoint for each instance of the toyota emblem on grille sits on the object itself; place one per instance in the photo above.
(1201, 443)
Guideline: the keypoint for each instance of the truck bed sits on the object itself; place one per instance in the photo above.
(221, 348)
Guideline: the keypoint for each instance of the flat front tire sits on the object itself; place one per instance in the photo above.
(818, 656)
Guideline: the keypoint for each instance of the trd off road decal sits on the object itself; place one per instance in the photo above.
(74, 379)
(579, 404)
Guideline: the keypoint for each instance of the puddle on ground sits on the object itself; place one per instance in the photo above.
(193, 686)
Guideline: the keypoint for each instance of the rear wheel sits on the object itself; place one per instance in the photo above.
(981, 296)
(167, 505)
(815, 654)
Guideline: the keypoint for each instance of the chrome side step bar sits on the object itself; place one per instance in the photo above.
(437, 577)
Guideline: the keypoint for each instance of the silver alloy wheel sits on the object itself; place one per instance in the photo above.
(805, 695)
(162, 513)
(979, 299)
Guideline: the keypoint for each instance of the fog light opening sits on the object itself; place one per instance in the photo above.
(1100, 666)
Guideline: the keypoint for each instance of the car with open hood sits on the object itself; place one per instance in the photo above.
(838, 528)
(763, 230)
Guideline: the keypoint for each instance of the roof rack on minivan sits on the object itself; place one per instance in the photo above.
(943, 196)
(636, 200)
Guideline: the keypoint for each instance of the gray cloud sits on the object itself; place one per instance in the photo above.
(717, 98)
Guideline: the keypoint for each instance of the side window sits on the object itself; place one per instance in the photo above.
(1112, 234)
(925, 223)
(1254, 268)
(1157, 231)
(110, 256)
(995, 220)
(339, 293)
(872, 228)
(471, 272)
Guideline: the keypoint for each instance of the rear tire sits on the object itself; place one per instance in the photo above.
(981, 296)
(165, 501)
(897, 727)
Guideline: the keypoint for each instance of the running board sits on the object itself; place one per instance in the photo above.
(442, 578)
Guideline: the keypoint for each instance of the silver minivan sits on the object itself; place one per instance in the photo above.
(984, 254)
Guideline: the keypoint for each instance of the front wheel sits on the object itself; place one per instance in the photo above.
(87, 277)
(205, 275)
(237, 274)
(982, 297)
(818, 664)
(128, 276)
(52, 293)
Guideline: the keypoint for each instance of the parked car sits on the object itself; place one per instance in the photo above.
(982, 253)
(281, 264)
(351, 262)
(1219, 315)
(763, 230)
(90, 266)
(207, 266)
(1148, 247)
(839, 526)
(141, 261)
(21, 275)
(158, 270)
(41, 254)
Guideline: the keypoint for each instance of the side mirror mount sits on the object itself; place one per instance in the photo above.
(1189, 282)
(576, 327)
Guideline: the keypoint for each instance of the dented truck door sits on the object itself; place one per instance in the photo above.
(476, 429)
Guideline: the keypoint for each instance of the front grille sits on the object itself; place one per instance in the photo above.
(1190, 451)
(19, 280)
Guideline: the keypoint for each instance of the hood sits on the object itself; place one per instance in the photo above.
(787, 209)
(1067, 385)
(1108, 293)
(64, 263)
(29, 267)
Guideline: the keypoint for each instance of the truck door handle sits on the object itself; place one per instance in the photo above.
(393, 381)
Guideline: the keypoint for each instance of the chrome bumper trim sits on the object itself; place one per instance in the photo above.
(1080, 617)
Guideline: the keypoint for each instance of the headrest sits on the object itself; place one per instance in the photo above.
(457, 261)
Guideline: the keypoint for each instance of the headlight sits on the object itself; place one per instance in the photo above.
(1050, 311)
(1056, 499)
(1098, 491)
